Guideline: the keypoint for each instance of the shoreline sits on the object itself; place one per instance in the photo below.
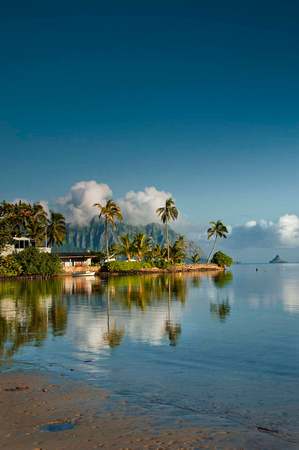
(104, 419)
(153, 270)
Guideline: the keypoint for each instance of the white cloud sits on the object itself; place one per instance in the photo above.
(284, 233)
(288, 228)
(139, 208)
(77, 206)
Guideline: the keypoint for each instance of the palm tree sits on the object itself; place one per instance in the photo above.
(158, 252)
(177, 250)
(36, 231)
(109, 211)
(195, 258)
(39, 213)
(126, 247)
(166, 213)
(142, 245)
(217, 229)
(56, 229)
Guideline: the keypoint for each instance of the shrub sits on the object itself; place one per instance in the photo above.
(32, 262)
(162, 264)
(222, 259)
(123, 266)
(9, 267)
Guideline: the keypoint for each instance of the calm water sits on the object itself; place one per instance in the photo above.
(223, 344)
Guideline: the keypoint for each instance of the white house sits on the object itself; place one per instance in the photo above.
(21, 244)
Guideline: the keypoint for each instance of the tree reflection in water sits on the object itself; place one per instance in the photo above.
(29, 311)
(221, 307)
(171, 329)
(114, 336)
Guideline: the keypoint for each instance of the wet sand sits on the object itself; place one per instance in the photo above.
(104, 419)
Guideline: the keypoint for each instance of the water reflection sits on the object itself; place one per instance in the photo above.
(220, 307)
(114, 335)
(172, 329)
(29, 311)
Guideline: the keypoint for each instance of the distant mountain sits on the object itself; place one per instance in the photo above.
(276, 260)
(92, 236)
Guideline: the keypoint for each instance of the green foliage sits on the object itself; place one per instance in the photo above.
(56, 229)
(162, 264)
(126, 247)
(124, 266)
(9, 267)
(32, 262)
(222, 259)
(99, 256)
(195, 258)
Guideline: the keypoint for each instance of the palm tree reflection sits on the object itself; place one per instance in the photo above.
(220, 308)
(171, 329)
(114, 335)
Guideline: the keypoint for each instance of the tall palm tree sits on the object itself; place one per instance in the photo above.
(56, 229)
(217, 229)
(109, 211)
(126, 247)
(166, 213)
(142, 245)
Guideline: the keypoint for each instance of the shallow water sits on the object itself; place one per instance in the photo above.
(220, 344)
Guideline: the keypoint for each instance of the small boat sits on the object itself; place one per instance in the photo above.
(83, 274)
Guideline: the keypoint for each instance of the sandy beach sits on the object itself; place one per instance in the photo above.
(102, 419)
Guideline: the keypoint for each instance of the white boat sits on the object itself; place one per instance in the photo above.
(83, 274)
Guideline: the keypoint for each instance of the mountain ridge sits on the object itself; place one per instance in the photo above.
(91, 236)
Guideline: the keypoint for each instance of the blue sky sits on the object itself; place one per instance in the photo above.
(196, 99)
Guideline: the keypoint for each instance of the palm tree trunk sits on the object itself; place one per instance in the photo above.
(167, 241)
(106, 229)
(212, 250)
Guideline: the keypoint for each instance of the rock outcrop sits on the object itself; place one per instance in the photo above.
(277, 259)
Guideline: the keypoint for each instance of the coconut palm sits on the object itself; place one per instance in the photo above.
(177, 250)
(39, 213)
(110, 211)
(158, 252)
(166, 213)
(142, 245)
(56, 229)
(36, 231)
(217, 229)
(126, 247)
(195, 258)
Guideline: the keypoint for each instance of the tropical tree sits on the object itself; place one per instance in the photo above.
(110, 211)
(177, 250)
(195, 258)
(217, 229)
(56, 229)
(166, 213)
(36, 231)
(126, 247)
(142, 245)
(158, 252)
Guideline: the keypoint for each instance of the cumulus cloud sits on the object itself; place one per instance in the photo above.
(263, 234)
(77, 206)
(139, 208)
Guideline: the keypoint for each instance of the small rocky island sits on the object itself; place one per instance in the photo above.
(277, 259)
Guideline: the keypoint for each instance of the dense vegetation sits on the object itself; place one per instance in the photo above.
(26, 220)
(30, 262)
(222, 259)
